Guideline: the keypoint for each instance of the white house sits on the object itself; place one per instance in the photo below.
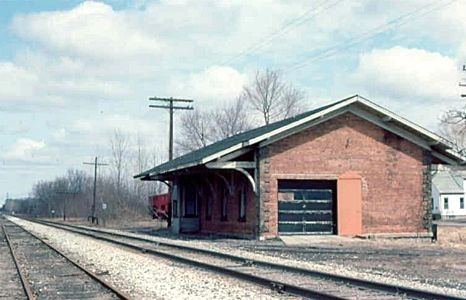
(448, 194)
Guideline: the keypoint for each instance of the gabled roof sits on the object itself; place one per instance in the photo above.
(274, 131)
(448, 182)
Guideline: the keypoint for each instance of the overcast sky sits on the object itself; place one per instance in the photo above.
(71, 72)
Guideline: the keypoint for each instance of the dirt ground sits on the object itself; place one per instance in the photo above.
(442, 263)
(420, 260)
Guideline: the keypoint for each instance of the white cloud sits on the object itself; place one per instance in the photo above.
(213, 85)
(32, 84)
(401, 72)
(25, 149)
(18, 84)
(167, 33)
(91, 29)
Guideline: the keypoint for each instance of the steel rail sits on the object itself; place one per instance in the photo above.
(103, 282)
(395, 289)
(274, 285)
(383, 287)
(26, 286)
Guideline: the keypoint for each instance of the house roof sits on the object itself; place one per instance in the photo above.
(274, 131)
(448, 182)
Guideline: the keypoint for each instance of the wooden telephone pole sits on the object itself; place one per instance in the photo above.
(93, 217)
(463, 84)
(171, 108)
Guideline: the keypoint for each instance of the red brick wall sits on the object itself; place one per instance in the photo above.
(231, 226)
(391, 169)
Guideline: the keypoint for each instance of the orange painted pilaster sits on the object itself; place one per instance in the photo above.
(349, 204)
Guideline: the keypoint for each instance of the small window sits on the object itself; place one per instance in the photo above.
(224, 203)
(445, 203)
(461, 203)
(242, 205)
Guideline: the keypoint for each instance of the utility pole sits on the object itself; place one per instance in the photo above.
(171, 108)
(93, 217)
(463, 84)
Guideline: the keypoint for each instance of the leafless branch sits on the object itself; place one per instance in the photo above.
(272, 97)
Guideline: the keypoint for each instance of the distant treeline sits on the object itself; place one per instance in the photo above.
(72, 196)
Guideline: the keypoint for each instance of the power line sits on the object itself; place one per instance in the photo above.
(171, 108)
(93, 217)
(286, 27)
(370, 34)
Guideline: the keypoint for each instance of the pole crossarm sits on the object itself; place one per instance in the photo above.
(168, 107)
(171, 108)
(171, 99)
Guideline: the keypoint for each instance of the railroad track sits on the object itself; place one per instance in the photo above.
(12, 287)
(42, 272)
(283, 278)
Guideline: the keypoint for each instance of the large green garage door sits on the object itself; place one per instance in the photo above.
(306, 206)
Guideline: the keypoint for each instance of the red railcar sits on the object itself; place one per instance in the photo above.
(160, 205)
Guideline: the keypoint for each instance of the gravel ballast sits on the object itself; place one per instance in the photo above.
(364, 259)
(147, 277)
(350, 257)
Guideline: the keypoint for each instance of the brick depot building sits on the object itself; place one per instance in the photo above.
(348, 168)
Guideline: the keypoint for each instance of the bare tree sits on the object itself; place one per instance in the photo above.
(141, 155)
(292, 102)
(73, 193)
(201, 128)
(43, 192)
(230, 120)
(119, 144)
(196, 131)
(272, 97)
(141, 162)
(453, 127)
(143, 189)
(79, 189)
